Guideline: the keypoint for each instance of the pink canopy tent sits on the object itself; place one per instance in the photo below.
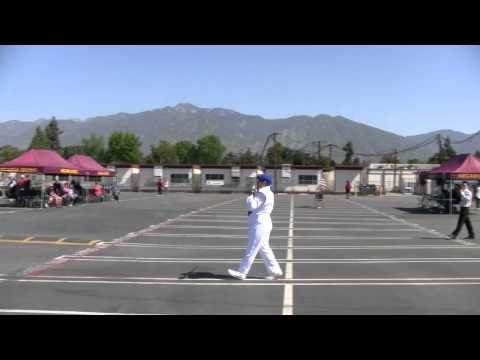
(460, 167)
(40, 161)
(89, 166)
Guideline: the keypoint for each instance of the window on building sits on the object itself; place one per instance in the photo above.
(179, 179)
(307, 179)
(214, 177)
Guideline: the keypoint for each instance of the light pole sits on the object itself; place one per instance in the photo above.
(275, 160)
(395, 171)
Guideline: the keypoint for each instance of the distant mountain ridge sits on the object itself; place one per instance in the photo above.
(237, 131)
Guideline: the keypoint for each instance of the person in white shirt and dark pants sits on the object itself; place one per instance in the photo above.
(477, 196)
(464, 218)
(260, 206)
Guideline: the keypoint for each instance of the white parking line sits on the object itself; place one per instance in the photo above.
(286, 261)
(293, 280)
(288, 290)
(319, 222)
(35, 270)
(173, 226)
(252, 282)
(431, 231)
(306, 237)
(305, 247)
(65, 312)
(286, 217)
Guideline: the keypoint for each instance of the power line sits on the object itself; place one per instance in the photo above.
(466, 139)
(436, 138)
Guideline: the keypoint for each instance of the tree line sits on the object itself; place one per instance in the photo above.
(125, 147)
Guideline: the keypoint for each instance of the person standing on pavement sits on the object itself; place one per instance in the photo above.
(348, 188)
(464, 218)
(160, 185)
(165, 187)
(116, 192)
(477, 196)
(12, 183)
(259, 205)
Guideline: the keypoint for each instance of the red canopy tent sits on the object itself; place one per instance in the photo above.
(40, 161)
(89, 166)
(460, 167)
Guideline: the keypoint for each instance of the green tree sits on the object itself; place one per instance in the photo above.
(163, 153)
(274, 154)
(348, 148)
(9, 152)
(231, 159)
(210, 150)
(248, 158)
(477, 154)
(124, 147)
(39, 140)
(356, 161)
(446, 152)
(71, 150)
(94, 146)
(297, 157)
(413, 161)
(388, 159)
(186, 152)
(449, 150)
(52, 133)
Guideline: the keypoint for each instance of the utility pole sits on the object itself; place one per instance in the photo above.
(395, 170)
(440, 148)
(439, 142)
(319, 150)
(330, 146)
(275, 157)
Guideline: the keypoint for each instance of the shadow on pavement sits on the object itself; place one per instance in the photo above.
(420, 211)
(434, 238)
(208, 275)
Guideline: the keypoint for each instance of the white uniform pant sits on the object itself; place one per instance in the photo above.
(258, 241)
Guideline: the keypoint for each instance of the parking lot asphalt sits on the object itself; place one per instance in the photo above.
(169, 254)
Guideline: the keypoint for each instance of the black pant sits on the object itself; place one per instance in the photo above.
(464, 218)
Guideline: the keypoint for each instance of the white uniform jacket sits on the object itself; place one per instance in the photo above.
(466, 198)
(260, 205)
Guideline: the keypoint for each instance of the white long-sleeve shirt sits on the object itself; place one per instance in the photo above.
(260, 205)
(466, 200)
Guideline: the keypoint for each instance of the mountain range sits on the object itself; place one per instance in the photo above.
(238, 131)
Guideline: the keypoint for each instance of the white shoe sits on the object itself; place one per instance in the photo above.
(236, 274)
(273, 276)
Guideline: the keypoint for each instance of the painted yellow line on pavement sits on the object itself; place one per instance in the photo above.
(28, 239)
(45, 242)
(60, 241)
(93, 242)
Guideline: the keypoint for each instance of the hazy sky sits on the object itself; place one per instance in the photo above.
(404, 89)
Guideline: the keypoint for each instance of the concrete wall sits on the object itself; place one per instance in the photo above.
(146, 179)
(341, 177)
(405, 175)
